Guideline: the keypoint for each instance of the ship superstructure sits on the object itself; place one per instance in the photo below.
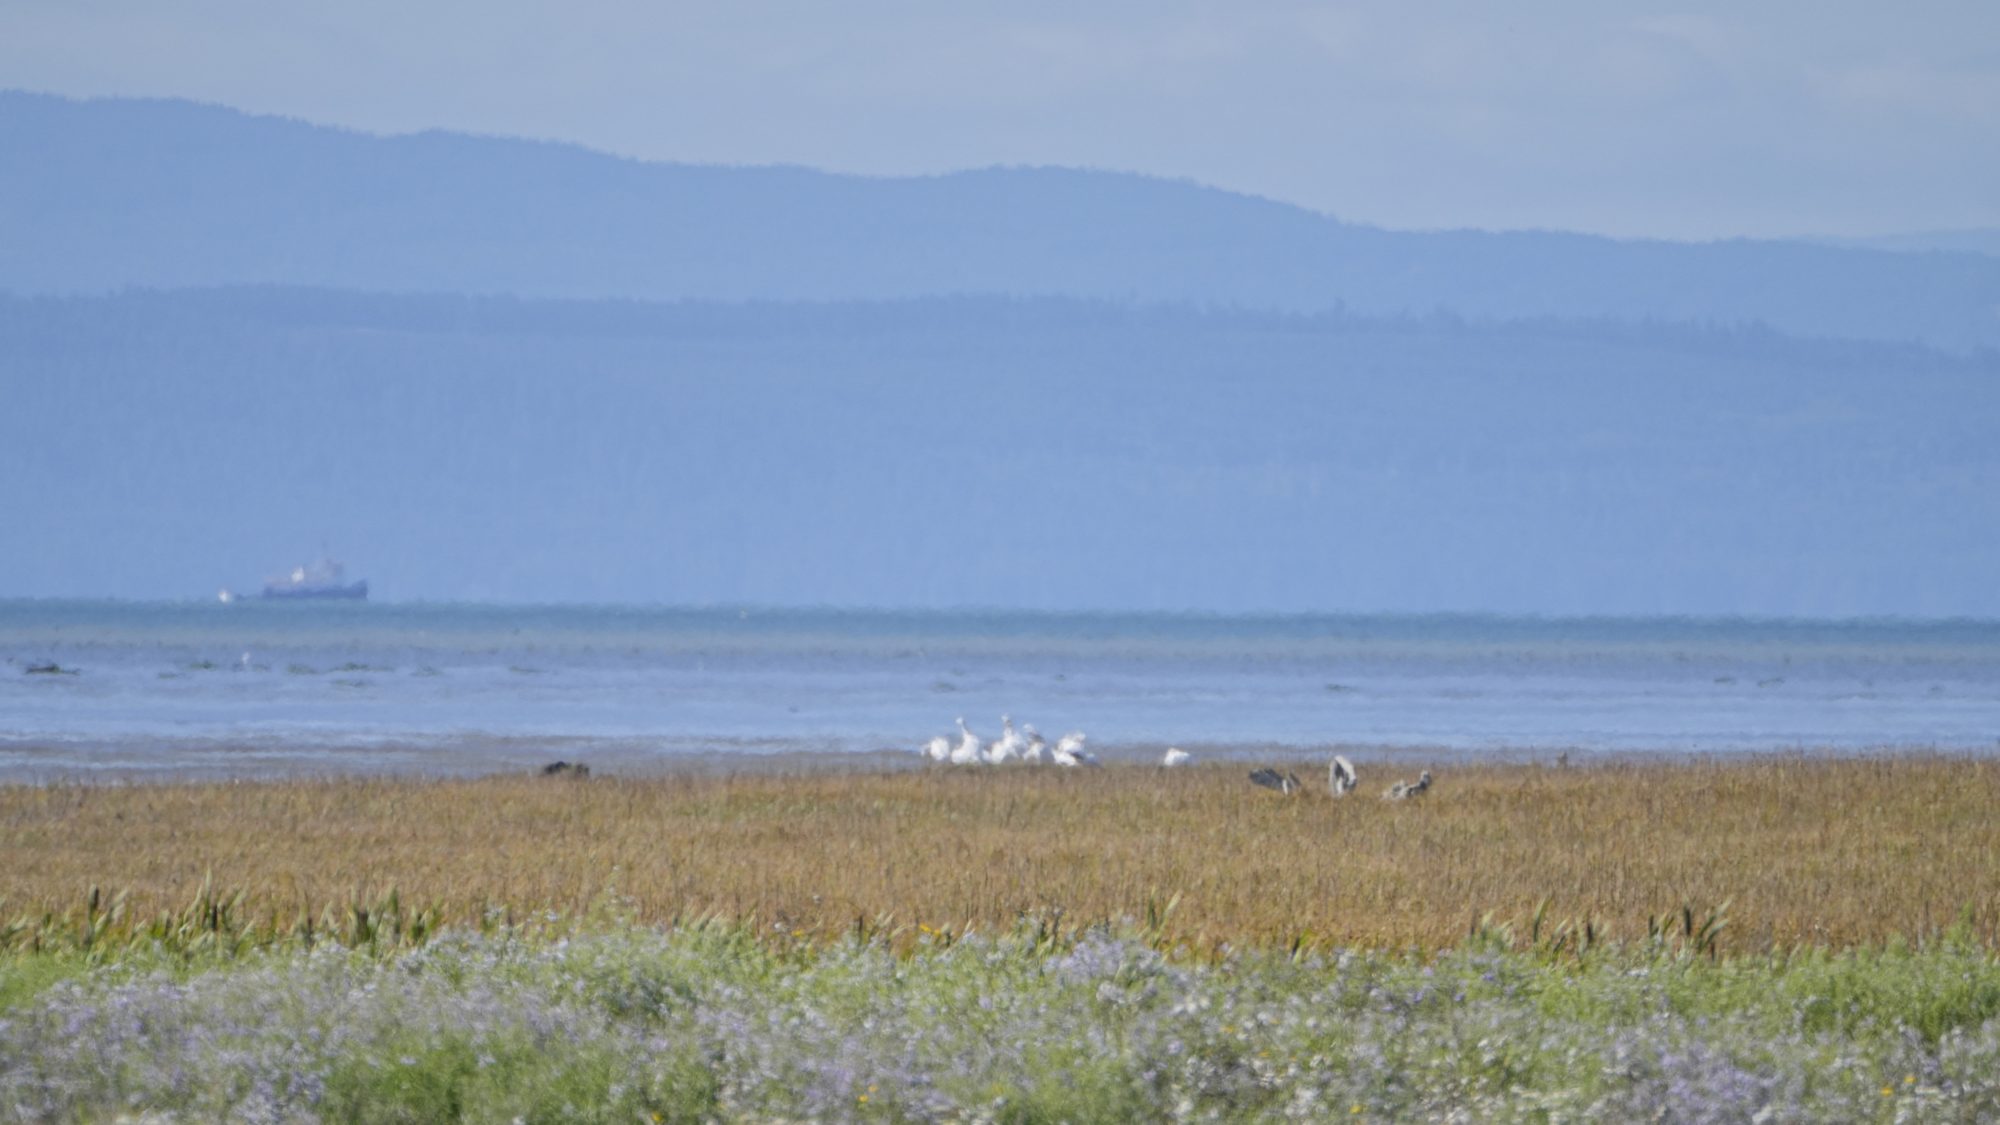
(322, 579)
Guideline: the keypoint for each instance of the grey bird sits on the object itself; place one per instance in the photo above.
(1272, 779)
(1404, 790)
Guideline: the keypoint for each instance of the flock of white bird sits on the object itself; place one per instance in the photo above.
(1028, 747)
(1025, 745)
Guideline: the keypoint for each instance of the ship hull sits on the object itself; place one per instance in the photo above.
(352, 591)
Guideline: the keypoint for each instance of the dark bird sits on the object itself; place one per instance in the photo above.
(1272, 779)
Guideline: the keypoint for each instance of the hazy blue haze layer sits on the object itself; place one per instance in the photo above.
(205, 688)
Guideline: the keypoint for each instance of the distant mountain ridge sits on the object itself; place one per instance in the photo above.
(100, 195)
(294, 309)
(1973, 241)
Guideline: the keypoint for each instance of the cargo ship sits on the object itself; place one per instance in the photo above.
(323, 579)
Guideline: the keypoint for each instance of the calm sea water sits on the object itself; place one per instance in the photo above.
(202, 687)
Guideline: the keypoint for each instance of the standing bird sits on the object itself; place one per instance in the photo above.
(1340, 776)
(937, 749)
(1007, 746)
(1176, 757)
(1038, 747)
(967, 751)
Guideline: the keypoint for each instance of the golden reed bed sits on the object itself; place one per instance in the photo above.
(1823, 852)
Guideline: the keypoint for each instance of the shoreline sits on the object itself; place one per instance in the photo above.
(151, 760)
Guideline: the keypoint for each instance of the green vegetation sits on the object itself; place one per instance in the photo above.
(612, 1021)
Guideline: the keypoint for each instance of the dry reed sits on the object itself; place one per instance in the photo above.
(1803, 851)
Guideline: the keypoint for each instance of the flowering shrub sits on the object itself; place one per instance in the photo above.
(706, 1023)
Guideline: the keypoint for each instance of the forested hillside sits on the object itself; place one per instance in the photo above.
(1042, 453)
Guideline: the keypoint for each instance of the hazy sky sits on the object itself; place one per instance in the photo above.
(1691, 120)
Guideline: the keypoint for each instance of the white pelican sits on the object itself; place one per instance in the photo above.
(967, 750)
(1038, 747)
(1175, 757)
(1069, 751)
(1340, 776)
(1007, 746)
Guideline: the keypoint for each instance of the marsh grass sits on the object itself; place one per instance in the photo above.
(1720, 857)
